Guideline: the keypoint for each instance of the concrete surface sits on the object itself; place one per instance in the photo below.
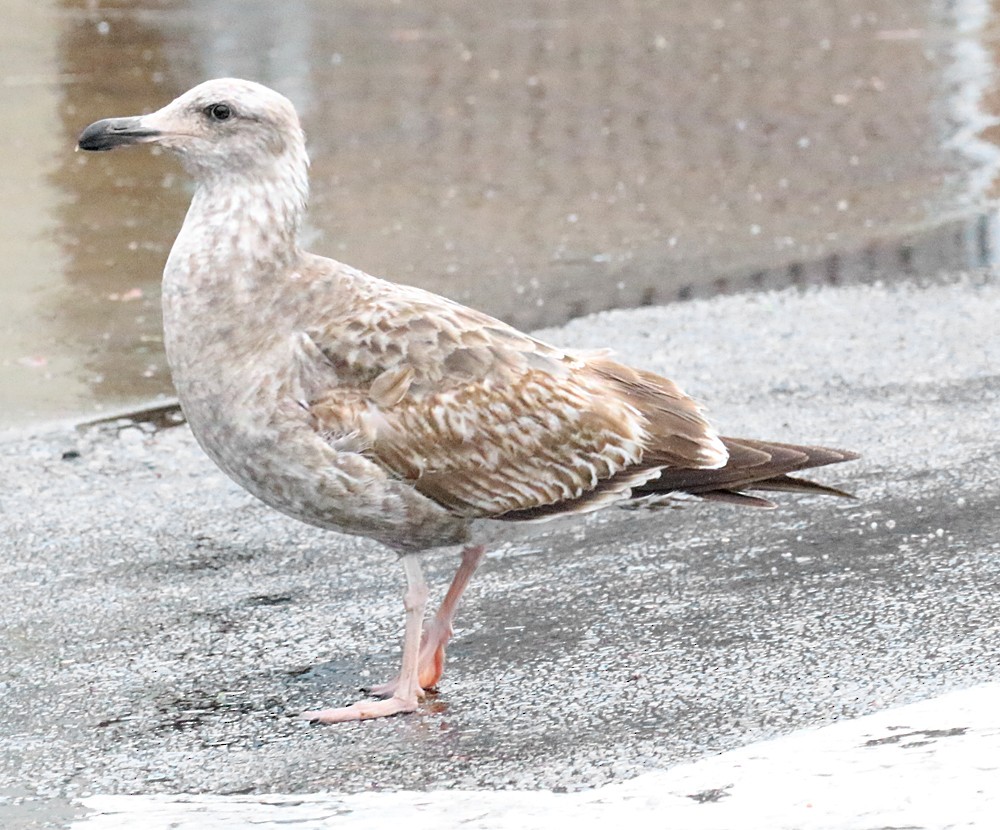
(162, 628)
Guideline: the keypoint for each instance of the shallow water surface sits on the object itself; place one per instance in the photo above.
(538, 160)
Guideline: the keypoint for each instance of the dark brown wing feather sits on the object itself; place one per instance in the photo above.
(752, 465)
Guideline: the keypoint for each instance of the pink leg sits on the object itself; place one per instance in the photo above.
(407, 690)
(438, 630)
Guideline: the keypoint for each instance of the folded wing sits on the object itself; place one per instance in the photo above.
(489, 422)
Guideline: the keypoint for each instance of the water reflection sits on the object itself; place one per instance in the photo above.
(113, 224)
(538, 159)
(30, 265)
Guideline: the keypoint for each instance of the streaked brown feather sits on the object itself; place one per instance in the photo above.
(487, 421)
(491, 423)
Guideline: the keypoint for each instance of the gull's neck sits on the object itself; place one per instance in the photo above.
(242, 228)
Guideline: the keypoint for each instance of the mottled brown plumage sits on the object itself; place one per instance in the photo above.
(382, 410)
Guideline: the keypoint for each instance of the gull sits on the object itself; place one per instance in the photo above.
(371, 408)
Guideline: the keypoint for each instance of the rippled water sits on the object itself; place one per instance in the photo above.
(539, 160)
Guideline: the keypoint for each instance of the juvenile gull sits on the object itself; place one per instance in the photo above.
(386, 411)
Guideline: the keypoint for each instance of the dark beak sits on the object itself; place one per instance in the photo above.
(115, 132)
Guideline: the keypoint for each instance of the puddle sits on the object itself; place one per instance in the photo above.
(537, 163)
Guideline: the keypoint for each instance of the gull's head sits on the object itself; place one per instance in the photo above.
(219, 127)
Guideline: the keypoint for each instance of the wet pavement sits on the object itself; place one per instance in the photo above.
(162, 628)
(939, 760)
(540, 160)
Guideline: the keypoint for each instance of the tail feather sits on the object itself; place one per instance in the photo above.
(791, 484)
(737, 498)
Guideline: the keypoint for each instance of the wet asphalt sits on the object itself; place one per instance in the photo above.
(162, 629)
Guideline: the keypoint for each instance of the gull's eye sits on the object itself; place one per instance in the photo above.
(219, 112)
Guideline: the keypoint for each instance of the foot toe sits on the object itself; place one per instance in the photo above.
(362, 710)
